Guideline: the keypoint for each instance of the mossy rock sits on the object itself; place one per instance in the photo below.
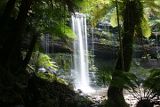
(44, 93)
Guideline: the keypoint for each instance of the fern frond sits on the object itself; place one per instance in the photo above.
(146, 29)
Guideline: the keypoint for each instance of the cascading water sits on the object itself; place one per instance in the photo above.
(80, 71)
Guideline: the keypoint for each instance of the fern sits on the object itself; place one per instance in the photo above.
(125, 80)
(45, 61)
(146, 29)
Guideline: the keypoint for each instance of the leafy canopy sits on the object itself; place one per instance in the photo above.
(98, 9)
(52, 16)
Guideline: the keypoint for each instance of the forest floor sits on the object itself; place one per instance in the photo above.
(100, 96)
(130, 99)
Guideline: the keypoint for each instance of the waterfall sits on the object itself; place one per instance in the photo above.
(80, 71)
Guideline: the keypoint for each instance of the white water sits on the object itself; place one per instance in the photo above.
(80, 71)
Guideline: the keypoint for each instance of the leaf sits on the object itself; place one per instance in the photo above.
(151, 81)
(154, 22)
(124, 79)
(45, 61)
(113, 20)
(98, 14)
(146, 29)
(97, 9)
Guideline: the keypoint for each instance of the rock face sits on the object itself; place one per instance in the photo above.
(105, 52)
(53, 94)
(150, 63)
(56, 46)
(38, 92)
(110, 52)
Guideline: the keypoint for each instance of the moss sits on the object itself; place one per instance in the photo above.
(37, 90)
(44, 93)
(50, 77)
(47, 76)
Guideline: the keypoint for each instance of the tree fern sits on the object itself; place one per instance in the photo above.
(96, 9)
(146, 29)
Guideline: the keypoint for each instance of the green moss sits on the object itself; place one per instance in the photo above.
(46, 76)
(62, 81)
(50, 77)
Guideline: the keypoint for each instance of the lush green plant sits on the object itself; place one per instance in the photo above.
(47, 76)
(63, 60)
(141, 87)
(103, 72)
(45, 61)
(40, 60)
(100, 9)
(148, 90)
(151, 82)
(50, 77)
(51, 17)
(103, 76)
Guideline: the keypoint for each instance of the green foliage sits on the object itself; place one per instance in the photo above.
(45, 61)
(64, 31)
(146, 29)
(99, 13)
(96, 9)
(103, 76)
(103, 72)
(46, 76)
(139, 71)
(152, 7)
(125, 80)
(154, 22)
(52, 17)
(91, 5)
(148, 88)
(62, 81)
(151, 81)
(64, 61)
(113, 19)
(39, 60)
(50, 77)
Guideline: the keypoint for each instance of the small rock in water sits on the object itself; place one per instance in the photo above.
(79, 91)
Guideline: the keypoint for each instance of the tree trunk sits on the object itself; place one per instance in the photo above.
(11, 50)
(115, 94)
(7, 12)
(4, 22)
(30, 50)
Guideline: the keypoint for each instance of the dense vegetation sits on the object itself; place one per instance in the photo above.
(133, 25)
